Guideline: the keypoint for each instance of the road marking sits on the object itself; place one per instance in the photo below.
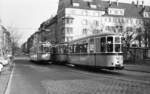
(7, 91)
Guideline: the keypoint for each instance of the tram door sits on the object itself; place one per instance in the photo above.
(100, 51)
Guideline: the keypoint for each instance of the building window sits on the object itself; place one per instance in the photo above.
(115, 11)
(85, 31)
(140, 21)
(62, 30)
(85, 12)
(68, 20)
(96, 23)
(93, 6)
(129, 29)
(69, 38)
(106, 19)
(76, 4)
(127, 20)
(121, 12)
(73, 12)
(110, 19)
(95, 13)
(96, 31)
(69, 30)
(146, 14)
(137, 21)
(85, 22)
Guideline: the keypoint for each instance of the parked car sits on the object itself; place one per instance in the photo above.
(1, 66)
(4, 61)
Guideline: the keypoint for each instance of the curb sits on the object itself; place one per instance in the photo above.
(140, 68)
(6, 91)
(136, 70)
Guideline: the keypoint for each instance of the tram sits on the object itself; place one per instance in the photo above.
(41, 52)
(102, 51)
(60, 53)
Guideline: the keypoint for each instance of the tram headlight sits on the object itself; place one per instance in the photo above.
(45, 55)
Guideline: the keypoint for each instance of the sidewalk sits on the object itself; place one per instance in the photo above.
(4, 78)
(139, 67)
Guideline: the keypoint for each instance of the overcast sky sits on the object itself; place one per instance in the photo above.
(27, 15)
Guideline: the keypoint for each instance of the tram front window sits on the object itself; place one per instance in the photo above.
(110, 44)
(117, 48)
(117, 39)
(46, 49)
(118, 44)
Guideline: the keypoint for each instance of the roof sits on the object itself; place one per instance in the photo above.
(131, 9)
(49, 22)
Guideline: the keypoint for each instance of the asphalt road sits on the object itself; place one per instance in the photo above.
(32, 78)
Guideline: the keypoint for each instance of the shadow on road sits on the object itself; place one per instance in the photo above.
(95, 70)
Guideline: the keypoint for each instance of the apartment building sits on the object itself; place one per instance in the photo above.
(5, 42)
(80, 18)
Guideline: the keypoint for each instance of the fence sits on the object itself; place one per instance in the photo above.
(135, 55)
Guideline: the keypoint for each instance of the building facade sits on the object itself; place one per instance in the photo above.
(79, 18)
(5, 42)
(48, 30)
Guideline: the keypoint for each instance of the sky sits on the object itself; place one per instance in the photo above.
(25, 16)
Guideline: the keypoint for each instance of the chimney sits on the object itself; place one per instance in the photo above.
(137, 3)
(117, 2)
(133, 3)
(143, 3)
(110, 2)
(89, 4)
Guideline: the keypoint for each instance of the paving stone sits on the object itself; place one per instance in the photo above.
(4, 77)
(101, 86)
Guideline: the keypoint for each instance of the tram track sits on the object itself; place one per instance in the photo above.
(106, 74)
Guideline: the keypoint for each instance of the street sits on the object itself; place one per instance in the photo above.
(32, 78)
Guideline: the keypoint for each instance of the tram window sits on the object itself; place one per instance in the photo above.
(110, 44)
(65, 49)
(70, 49)
(117, 39)
(83, 48)
(91, 45)
(97, 44)
(117, 48)
(109, 40)
(110, 47)
(77, 50)
(46, 49)
(103, 44)
(91, 41)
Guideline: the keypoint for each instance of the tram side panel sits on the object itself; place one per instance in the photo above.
(58, 56)
(109, 61)
(87, 59)
(77, 59)
(101, 51)
(82, 53)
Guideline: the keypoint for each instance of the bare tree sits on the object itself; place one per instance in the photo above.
(15, 37)
(147, 32)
